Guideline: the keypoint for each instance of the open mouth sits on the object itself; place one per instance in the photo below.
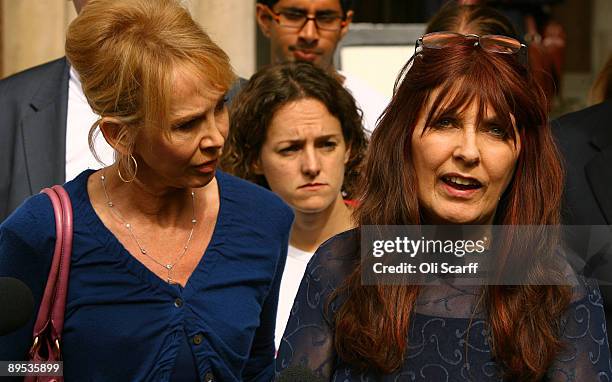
(461, 183)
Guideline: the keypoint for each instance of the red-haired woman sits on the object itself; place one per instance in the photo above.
(465, 141)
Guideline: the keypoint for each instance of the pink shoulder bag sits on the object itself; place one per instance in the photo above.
(49, 323)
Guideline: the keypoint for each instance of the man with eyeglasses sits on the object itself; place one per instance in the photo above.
(310, 30)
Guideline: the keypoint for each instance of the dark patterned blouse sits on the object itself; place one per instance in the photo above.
(449, 338)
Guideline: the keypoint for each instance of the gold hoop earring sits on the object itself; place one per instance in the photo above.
(135, 171)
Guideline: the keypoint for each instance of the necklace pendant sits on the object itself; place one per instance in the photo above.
(143, 251)
(168, 266)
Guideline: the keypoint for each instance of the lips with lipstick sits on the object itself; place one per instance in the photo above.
(207, 167)
(461, 183)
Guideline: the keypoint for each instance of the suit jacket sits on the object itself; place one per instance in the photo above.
(585, 140)
(33, 108)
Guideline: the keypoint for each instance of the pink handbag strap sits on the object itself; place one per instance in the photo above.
(50, 319)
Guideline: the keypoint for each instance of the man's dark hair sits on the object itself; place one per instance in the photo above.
(346, 5)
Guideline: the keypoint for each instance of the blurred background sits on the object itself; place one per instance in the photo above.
(570, 40)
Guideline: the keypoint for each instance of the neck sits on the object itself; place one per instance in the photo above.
(310, 230)
(137, 200)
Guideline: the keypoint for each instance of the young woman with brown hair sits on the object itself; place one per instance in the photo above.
(296, 130)
(464, 141)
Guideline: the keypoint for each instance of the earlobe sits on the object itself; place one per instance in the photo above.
(114, 133)
(263, 19)
(347, 155)
(256, 167)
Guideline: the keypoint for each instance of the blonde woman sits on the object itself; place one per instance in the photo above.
(170, 277)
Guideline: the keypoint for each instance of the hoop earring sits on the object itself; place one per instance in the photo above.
(135, 171)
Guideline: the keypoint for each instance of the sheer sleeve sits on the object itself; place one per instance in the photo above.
(586, 356)
(308, 338)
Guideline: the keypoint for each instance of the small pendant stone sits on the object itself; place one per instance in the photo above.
(169, 266)
(143, 251)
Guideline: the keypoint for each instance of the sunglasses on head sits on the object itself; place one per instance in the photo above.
(491, 43)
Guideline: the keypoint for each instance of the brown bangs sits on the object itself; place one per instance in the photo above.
(452, 98)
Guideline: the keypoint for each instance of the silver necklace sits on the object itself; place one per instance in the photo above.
(168, 266)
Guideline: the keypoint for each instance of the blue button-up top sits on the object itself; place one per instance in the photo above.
(123, 323)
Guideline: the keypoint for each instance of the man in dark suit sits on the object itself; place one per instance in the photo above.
(33, 132)
(34, 106)
(585, 140)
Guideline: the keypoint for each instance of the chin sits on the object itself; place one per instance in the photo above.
(455, 216)
(312, 206)
(202, 180)
(459, 220)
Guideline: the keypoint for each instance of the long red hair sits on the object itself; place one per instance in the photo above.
(372, 325)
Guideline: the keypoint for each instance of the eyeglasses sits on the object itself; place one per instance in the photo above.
(297, 20)
(491, 43)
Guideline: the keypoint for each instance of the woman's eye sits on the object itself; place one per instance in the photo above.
(186, 126)
(497, 131)
(329, 145)
(221, 104)
(290, 149)
(444, 123)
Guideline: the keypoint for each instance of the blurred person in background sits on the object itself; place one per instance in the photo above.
(545, 37)
(470, 19)
(602, 87)
(44, 124)
(310, 30)
(175, 267)
(296, 130)
(585, 140)
(464, 141)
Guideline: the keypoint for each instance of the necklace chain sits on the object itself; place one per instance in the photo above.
(169, 267)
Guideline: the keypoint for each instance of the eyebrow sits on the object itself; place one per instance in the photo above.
(190, 117)
(319, 12)
(317, 139)
(187, 118)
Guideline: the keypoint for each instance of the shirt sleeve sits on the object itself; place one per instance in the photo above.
(586, 356)
(308, 340)
(29, 262)
(260, 365)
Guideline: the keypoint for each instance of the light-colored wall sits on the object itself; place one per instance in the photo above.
(231, 24)
(33, 31)
(601, 42)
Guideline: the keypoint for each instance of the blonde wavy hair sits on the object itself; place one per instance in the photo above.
(125, 52)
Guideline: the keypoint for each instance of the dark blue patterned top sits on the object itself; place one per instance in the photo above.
(123, 323)
(449, 339)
